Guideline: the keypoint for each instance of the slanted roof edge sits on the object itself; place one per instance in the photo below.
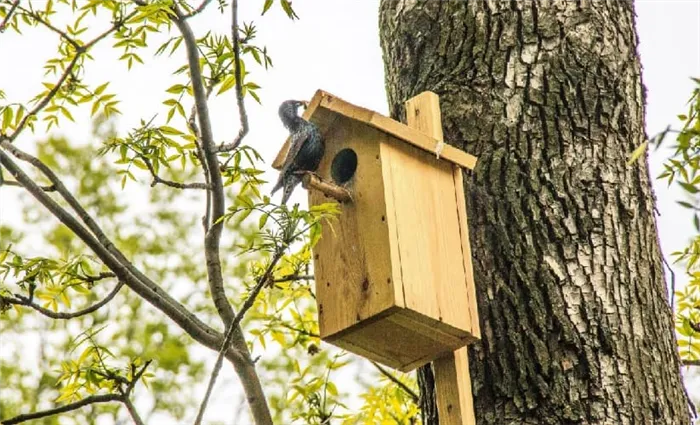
(383, 123)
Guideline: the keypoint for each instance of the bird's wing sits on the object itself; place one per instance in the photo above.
(298, 139)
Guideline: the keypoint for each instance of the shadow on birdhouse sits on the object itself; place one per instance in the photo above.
(394, 276)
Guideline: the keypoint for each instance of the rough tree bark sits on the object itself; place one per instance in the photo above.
(572, 298)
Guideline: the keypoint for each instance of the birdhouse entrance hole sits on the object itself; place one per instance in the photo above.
(344, 166)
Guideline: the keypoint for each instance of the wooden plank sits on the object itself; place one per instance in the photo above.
(452, 382)
(324, 100)
(453, 389)
(475, 328)
(427, 229)
(352, 262)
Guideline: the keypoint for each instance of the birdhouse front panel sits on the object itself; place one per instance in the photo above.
(352, 260)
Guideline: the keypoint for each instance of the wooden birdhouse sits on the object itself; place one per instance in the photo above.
(393, 275)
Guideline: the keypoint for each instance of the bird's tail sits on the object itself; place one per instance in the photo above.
(279, 184)
(289, 184)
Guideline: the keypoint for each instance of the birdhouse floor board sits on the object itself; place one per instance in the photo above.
(400, 339)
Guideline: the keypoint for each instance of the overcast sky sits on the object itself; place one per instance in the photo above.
(335, 47)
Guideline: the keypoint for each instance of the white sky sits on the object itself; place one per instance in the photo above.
(335, 47)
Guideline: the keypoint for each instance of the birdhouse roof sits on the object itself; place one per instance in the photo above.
(324, 108)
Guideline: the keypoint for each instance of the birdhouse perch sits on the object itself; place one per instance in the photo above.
(393, 276)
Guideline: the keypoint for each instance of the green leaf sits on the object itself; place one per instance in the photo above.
(101, 88)
(266, 6)
(637, 153)
(689, 187)
(7, 114)
(228, 83)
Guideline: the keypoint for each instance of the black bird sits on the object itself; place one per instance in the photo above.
(305, 150)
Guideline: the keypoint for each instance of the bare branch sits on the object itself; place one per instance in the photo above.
(4, 22)
(25, 301)
(262, 281)
(132, 411)
(50, 95)
(48, 25)
(198, 10)
(293, 277)
(157, 179)
(102, 398)
(690, 362)
(192, 121)
(13, 183)
(397, 381)
(218, 201)
(242, 114)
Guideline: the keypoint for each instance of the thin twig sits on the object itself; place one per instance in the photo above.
(157, 179)
(4, 22)
(242, 114)
(262, 281)
(50, 188)
(48, 25)
(132, 411)
(198, 10)
(80, 51)
(397, 381)
(690, 362)
(50, 95)
(22, 300)
(102, 398)
(293, 277)
(673, 280)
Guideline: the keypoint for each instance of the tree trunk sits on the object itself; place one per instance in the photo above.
(574, 312)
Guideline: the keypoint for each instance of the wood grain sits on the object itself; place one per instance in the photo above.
(452, 382)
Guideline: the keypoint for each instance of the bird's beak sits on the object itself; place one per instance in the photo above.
(305, 103)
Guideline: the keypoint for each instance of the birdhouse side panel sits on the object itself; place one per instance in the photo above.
(460, 187)
(426, 224)
(352, 262)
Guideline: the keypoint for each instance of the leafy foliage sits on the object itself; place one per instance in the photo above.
(89, 331)
(683, 168)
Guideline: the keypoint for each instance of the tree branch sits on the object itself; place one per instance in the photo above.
(102, 398)
(157, 179)
(266, 276)
(132, 411)
(397, 381)
(80, 50)
(192, 122)
(48, 25)
(218, 202)
(198, 10)
(116, 261)
(292, 277)
(25, 301)
(13, 183)
(690, 362)
(4, 22)
(242, 114)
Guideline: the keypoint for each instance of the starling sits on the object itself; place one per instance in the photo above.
(305, 151)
